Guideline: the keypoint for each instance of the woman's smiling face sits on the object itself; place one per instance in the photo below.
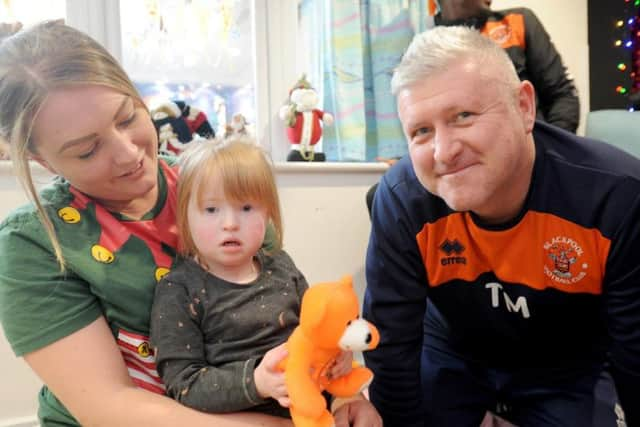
(101, 141)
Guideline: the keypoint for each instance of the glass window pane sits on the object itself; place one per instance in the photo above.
(28, 12)
(196, 51)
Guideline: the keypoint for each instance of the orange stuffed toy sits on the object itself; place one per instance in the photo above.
(329, 324)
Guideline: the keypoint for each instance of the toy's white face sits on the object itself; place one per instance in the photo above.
(305, 99)
(358, 337)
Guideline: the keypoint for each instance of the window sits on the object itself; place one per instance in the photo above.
(224, 56)
(198, 51)
(29, 12)
(262, 31)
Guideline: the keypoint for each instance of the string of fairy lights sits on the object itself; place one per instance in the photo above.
(627, 40)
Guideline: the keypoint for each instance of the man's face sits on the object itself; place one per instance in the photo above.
(469, 138)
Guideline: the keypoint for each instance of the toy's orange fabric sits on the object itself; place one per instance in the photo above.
(329, 323)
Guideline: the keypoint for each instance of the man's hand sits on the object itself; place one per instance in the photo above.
(356, 412)
(341, 366)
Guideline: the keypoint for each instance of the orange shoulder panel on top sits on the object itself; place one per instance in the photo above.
(508, 32)
(542, 251)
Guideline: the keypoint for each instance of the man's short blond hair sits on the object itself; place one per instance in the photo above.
(433, 51)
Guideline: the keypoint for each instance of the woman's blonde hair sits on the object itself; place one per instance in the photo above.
(34, 62)
(243, 171)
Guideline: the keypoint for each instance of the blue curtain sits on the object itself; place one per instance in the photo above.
(361, 41)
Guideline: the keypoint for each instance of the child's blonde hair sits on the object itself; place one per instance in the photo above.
(243, 170)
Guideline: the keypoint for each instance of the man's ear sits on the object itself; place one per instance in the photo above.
(527, 104)
(43, 163)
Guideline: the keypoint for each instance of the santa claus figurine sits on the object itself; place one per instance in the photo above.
(237, 126)
(303, 122)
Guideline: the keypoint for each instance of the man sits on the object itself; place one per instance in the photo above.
(524, 238)
(530, 48)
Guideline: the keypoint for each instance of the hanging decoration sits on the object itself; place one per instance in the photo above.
(627, 42)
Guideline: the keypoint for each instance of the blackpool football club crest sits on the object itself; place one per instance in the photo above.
(563, 260)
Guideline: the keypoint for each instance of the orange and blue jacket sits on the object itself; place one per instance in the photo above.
(556, 287)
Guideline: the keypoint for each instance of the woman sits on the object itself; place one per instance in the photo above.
(80, 265)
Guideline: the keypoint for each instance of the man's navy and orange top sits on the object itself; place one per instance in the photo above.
(558, 286)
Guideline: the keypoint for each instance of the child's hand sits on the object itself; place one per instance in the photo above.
(341, 366)
(269, 379)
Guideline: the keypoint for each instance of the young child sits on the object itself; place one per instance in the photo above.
(227, 301)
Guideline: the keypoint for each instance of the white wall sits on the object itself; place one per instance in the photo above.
(566, 23)
(326, 224)
(326, 227)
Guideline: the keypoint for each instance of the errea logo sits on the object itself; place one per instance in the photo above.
(453, 250)
(562, 263)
